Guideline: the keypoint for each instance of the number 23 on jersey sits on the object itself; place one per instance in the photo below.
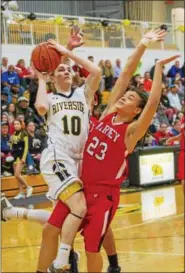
(101, 146)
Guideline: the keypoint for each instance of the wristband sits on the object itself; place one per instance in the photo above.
(146, 42)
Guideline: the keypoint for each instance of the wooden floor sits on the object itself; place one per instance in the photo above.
(148, 239)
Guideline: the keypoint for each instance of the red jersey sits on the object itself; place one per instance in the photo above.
(105, 154)
(92, 123)
(182, 135)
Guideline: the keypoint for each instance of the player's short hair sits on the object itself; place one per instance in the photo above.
(142, 94)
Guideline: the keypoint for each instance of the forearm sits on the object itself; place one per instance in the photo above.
(65, 59)
(25, 148)
(134, 59)
(42, 104)
(175, 138)
(89, 66)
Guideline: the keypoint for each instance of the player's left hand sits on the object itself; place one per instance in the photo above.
(167, 60)
(60, 48)
(75, 39)
(156, 35)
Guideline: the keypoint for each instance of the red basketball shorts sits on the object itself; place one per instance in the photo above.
(180, 174)
(101, 208)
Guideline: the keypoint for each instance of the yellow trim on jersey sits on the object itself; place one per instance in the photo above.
(69, 191)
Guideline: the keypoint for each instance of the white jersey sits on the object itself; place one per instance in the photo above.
(67, 123)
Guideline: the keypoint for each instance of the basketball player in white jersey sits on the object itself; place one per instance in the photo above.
(67, 114)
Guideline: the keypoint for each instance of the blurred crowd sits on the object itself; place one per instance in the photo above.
(20, 118)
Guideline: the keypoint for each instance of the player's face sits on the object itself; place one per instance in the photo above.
(63, 74)
(128, 105)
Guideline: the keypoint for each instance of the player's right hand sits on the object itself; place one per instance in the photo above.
(60, 48)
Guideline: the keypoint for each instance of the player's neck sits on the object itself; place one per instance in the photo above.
(63, 88)
(119, 119)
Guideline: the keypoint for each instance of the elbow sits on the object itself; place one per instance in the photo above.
(98, 72)
(41, 109)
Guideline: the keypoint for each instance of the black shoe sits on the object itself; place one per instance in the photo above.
(4, 204)
(114, 269)
(74, 260)
(62, 270)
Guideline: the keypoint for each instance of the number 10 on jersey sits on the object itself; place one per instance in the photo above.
(71, 125)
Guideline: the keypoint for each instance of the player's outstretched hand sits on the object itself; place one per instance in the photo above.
(76, 38)
(156, 35)
(167, 60)
(60, 48)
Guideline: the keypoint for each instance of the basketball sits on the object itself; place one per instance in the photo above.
(45, 59)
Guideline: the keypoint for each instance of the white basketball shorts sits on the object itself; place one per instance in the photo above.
(58, 173)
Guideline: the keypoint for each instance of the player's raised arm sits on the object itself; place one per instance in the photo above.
(137, 129)
(95, 72)
(41, 103)
(131, 66)
(75, 40)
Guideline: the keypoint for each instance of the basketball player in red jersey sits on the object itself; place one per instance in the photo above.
(123, 137)
(180, 138)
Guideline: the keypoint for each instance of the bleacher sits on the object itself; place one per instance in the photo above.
(115, 35)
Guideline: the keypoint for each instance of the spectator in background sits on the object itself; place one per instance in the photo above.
(23, 108)
(162, 134)
(21, 117)
(4, 100)
(6, 168)
(136, 80)
(141, 86)
(4, 117)
(117, 70)
(11, 83)
(82, 71)
(174, 98)
(109, 74)
(183, 70)
(19, 142)
(35, 142)
(23, 73)
(165, 103)
(176, 129)
(11, 119)
(5, 139)
(33, 87)
(147, 82)
(174, 70)
(4, 64)
(12, 109)
(102, 82)
(153, 70)
(91, 59)
(180, 89)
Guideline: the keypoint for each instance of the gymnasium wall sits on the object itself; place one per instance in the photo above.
(14, 52)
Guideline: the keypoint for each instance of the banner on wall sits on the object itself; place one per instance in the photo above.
(156, 168)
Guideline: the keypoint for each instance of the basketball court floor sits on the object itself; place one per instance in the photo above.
(148, 228)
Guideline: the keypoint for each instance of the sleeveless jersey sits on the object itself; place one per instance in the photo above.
(67, 123)
(182, 148)
(105, 153)
(92, 123)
